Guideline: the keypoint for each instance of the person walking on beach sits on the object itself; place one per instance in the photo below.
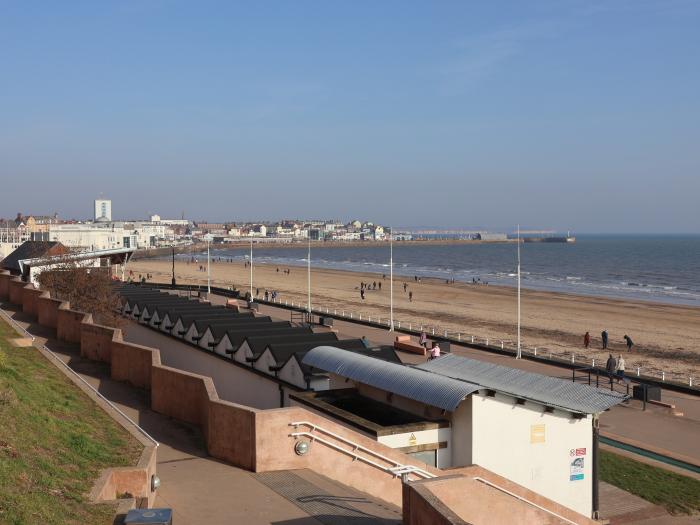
(620, 368)
(362, 294)
(410, 297)
(604, 339)
(628, 341)
(404, 287)
(379, 284)
(587, 340)
(610, 367)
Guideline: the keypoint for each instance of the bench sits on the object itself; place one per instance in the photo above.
(405, 344)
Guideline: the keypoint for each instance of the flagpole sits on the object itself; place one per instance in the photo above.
(519, 351)
(391, 280)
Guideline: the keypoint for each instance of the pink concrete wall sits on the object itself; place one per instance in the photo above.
(29, 299)
(5, 285)
(274, 450)
(16, 293)
(231, 434)
(96, 340)
(180, 394)
(68, 324)
(132, 363)
(421, 507)
(47, 311)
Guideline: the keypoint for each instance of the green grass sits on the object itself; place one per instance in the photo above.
(678, 494)
(54, 440)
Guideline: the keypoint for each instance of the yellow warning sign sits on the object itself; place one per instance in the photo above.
(412, 439)
(537, 434)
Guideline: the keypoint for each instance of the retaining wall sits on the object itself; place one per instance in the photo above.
(30, 295)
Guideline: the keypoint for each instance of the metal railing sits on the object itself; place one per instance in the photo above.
(600, 378)
(397, 469)
(493, 344)
(80, 378)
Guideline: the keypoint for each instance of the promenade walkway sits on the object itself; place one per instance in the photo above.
(656, 428)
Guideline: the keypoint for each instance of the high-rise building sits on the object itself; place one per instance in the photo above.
(103, 210)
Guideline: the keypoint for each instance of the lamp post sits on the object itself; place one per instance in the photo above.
(208, 237)
(251, 270)
(519, 350)
(173, 280)
(391, 280)
(308, 276)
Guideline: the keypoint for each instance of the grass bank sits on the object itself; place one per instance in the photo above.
(54, 440)
(678, 494)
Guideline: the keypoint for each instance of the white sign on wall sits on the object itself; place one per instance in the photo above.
(577, 460)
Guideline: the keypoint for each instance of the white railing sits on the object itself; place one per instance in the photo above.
(75, 374)
(524, 500)
(397, 469)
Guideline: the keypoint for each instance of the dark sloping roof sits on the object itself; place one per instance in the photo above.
(258, 343)
(282, 352)
(32, 250)
(547, 390)
(431, 389)
(218, 331)
(236, 337)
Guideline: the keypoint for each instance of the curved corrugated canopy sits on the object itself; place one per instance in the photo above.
(431, 389)
(550, 391)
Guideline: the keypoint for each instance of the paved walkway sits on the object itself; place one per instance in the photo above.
(202, 490)
(657, 427)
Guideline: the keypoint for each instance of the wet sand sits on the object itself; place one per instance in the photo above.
(666, 337)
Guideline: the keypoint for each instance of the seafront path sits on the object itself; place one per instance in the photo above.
(656, 429)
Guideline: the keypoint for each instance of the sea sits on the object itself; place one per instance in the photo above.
(660, 268)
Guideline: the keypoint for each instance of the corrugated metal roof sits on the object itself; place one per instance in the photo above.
(431, 389)
(550, 391)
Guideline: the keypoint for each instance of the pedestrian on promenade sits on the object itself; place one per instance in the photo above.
(435, 351)
(604, 338)
(267, 295)
(610, 367)
(587, 340)
(628, 341)
(410, 297)
(365, 342)
(257, 292)
(423, 339)
(620, 368)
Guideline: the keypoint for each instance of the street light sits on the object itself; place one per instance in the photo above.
(208, 238)
(391, 280)
(173, 281)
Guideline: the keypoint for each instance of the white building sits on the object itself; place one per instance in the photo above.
(103, 210)
(536, 430)
(93, 236)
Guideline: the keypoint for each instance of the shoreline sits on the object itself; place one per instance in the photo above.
(667, 336)
(398, 274)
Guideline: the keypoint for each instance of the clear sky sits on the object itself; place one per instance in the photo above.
(554, 114)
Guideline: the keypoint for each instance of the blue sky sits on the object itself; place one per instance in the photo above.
(554, 114)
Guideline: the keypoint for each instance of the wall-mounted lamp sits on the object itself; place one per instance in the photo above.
(301, 448)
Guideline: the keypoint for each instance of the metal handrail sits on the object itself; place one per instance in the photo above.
(397, 470)
(525, 500)
(79, 377)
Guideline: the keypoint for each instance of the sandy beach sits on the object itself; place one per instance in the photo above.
(666, 337)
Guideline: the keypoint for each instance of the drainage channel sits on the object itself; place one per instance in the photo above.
(651, 455)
